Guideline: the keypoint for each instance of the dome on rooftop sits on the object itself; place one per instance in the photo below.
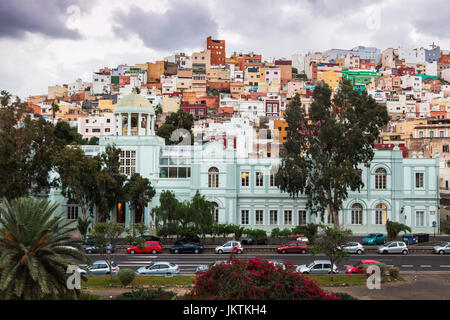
(134, 103)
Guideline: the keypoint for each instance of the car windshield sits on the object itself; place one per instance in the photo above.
(311, 265)
(172, 265)
(443, 244)
(357, 264)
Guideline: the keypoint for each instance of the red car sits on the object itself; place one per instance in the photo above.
(149, 247)
(293, 247)
(359, 267)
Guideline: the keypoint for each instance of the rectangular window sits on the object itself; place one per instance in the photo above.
(72, 212)
(273, 217)
(445, 148)
(287, 217)
(244, 217)
(259, 179)
(259, 217)
(441, 134)
(301, 217)
(244, 179)
(419, 179)
(420, 215)
(272, 180)
(128, 162)
(431, 134)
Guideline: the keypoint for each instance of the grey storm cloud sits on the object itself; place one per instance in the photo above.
(17, 17)
(184, 26)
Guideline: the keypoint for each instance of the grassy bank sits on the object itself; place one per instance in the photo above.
(105, 281)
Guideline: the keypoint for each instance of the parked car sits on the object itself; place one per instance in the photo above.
(374, 238)
(230, 246)
(254, 240)
(101, 267)
(442, 248)
(359, 267)
(152, 247)
(188, 239)
(160, 267)
(277, 263)
(393, 247)
(293, 247)
(187, 248)
(317, 267)
(110, 248)
(302, 238)
(353, 247)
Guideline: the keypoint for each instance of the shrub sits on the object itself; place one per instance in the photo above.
(394, 272)
(147, 294)
(256, 279)
(344, 296)
(126, 276)
(383, 269)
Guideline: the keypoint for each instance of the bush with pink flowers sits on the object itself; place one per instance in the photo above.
(256, 279)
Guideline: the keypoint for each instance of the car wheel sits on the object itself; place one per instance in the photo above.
(196, 251)
(405, 251)
(108, 251)
(89, 251)
(176, 251)
(441, 252)
(132, 251)
(220, 251)
(168, 274)
(303, 251)
(283, 251)
(359, 251)
(153, 251)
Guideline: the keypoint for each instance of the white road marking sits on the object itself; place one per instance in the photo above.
(425, 266)
(444, 266)
(407, 265)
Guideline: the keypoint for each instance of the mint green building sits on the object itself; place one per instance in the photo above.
(359, 78)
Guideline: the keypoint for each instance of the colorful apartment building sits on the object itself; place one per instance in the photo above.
(217, 48)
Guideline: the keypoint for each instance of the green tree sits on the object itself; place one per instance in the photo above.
(394, 228)
(325, 147)
(329, 243)
(107, 233)
(138, 192)
(54, 108)
(36, 249)
(310, 231)
(83, 226)
(68, 135)
(202, 211)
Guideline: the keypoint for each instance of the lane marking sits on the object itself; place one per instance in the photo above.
(425, 266)
(444, 266)
(407, 265)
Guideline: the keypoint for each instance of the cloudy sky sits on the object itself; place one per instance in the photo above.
(48, 42)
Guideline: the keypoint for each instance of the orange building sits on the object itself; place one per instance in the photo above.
(155, 71)
(285, 69)
(280, 129)
(217, 48)
(250, 59)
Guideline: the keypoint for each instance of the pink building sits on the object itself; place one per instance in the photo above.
(293, 87)
(272, 73)
(96, 126)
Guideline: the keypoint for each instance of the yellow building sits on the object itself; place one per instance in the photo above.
(330, 77)
(106, 105)
(155, 71)
(170, 103)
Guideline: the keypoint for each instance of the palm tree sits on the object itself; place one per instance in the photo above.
(36, 248)
(394, 228)
(55, 108)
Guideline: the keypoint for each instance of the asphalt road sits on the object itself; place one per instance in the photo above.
(189, 262)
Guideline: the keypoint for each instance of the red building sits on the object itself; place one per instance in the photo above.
(272, 107)
(387, 146)
(367, 64)
(124, 80)
(250, 59)
(195, 109)
(217, 48)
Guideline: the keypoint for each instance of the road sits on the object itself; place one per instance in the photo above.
(189, 262)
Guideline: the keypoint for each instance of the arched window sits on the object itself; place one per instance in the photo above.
(380, 214)
(357, 211)
(380, 179)
(213, 177)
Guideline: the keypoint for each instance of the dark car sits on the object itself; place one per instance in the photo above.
(254, 240)
(147, 238)
(110, 248)
(188, 239)
(187, 248)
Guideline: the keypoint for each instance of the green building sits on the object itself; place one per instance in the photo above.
(359, 78)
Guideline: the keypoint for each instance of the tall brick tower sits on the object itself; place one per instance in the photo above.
(217, 48)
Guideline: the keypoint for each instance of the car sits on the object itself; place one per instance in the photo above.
(254, 240)
(101, 267)
(160, 267)
(110, 248)
(302, 238)
(187, 248)
(147, 238)
(205, 267)
(317, 267)
(393, 247)
(374, 238)
(353, 247)
(442, 248)
(293, 247)
(152, 247)
(188, 239)
(359, 267)
(277, 263)
(229, 246)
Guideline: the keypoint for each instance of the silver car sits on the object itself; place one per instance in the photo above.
(442, 248)
(101, 267)
(230, 246)
(317, 267)
(160, 267)
(393, 247)
(353, 247)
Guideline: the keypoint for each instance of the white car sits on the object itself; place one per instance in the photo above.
(160, 267)
(393, 247)
(303, 239)
(230, 246)
(317, 267)
(353, 247)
